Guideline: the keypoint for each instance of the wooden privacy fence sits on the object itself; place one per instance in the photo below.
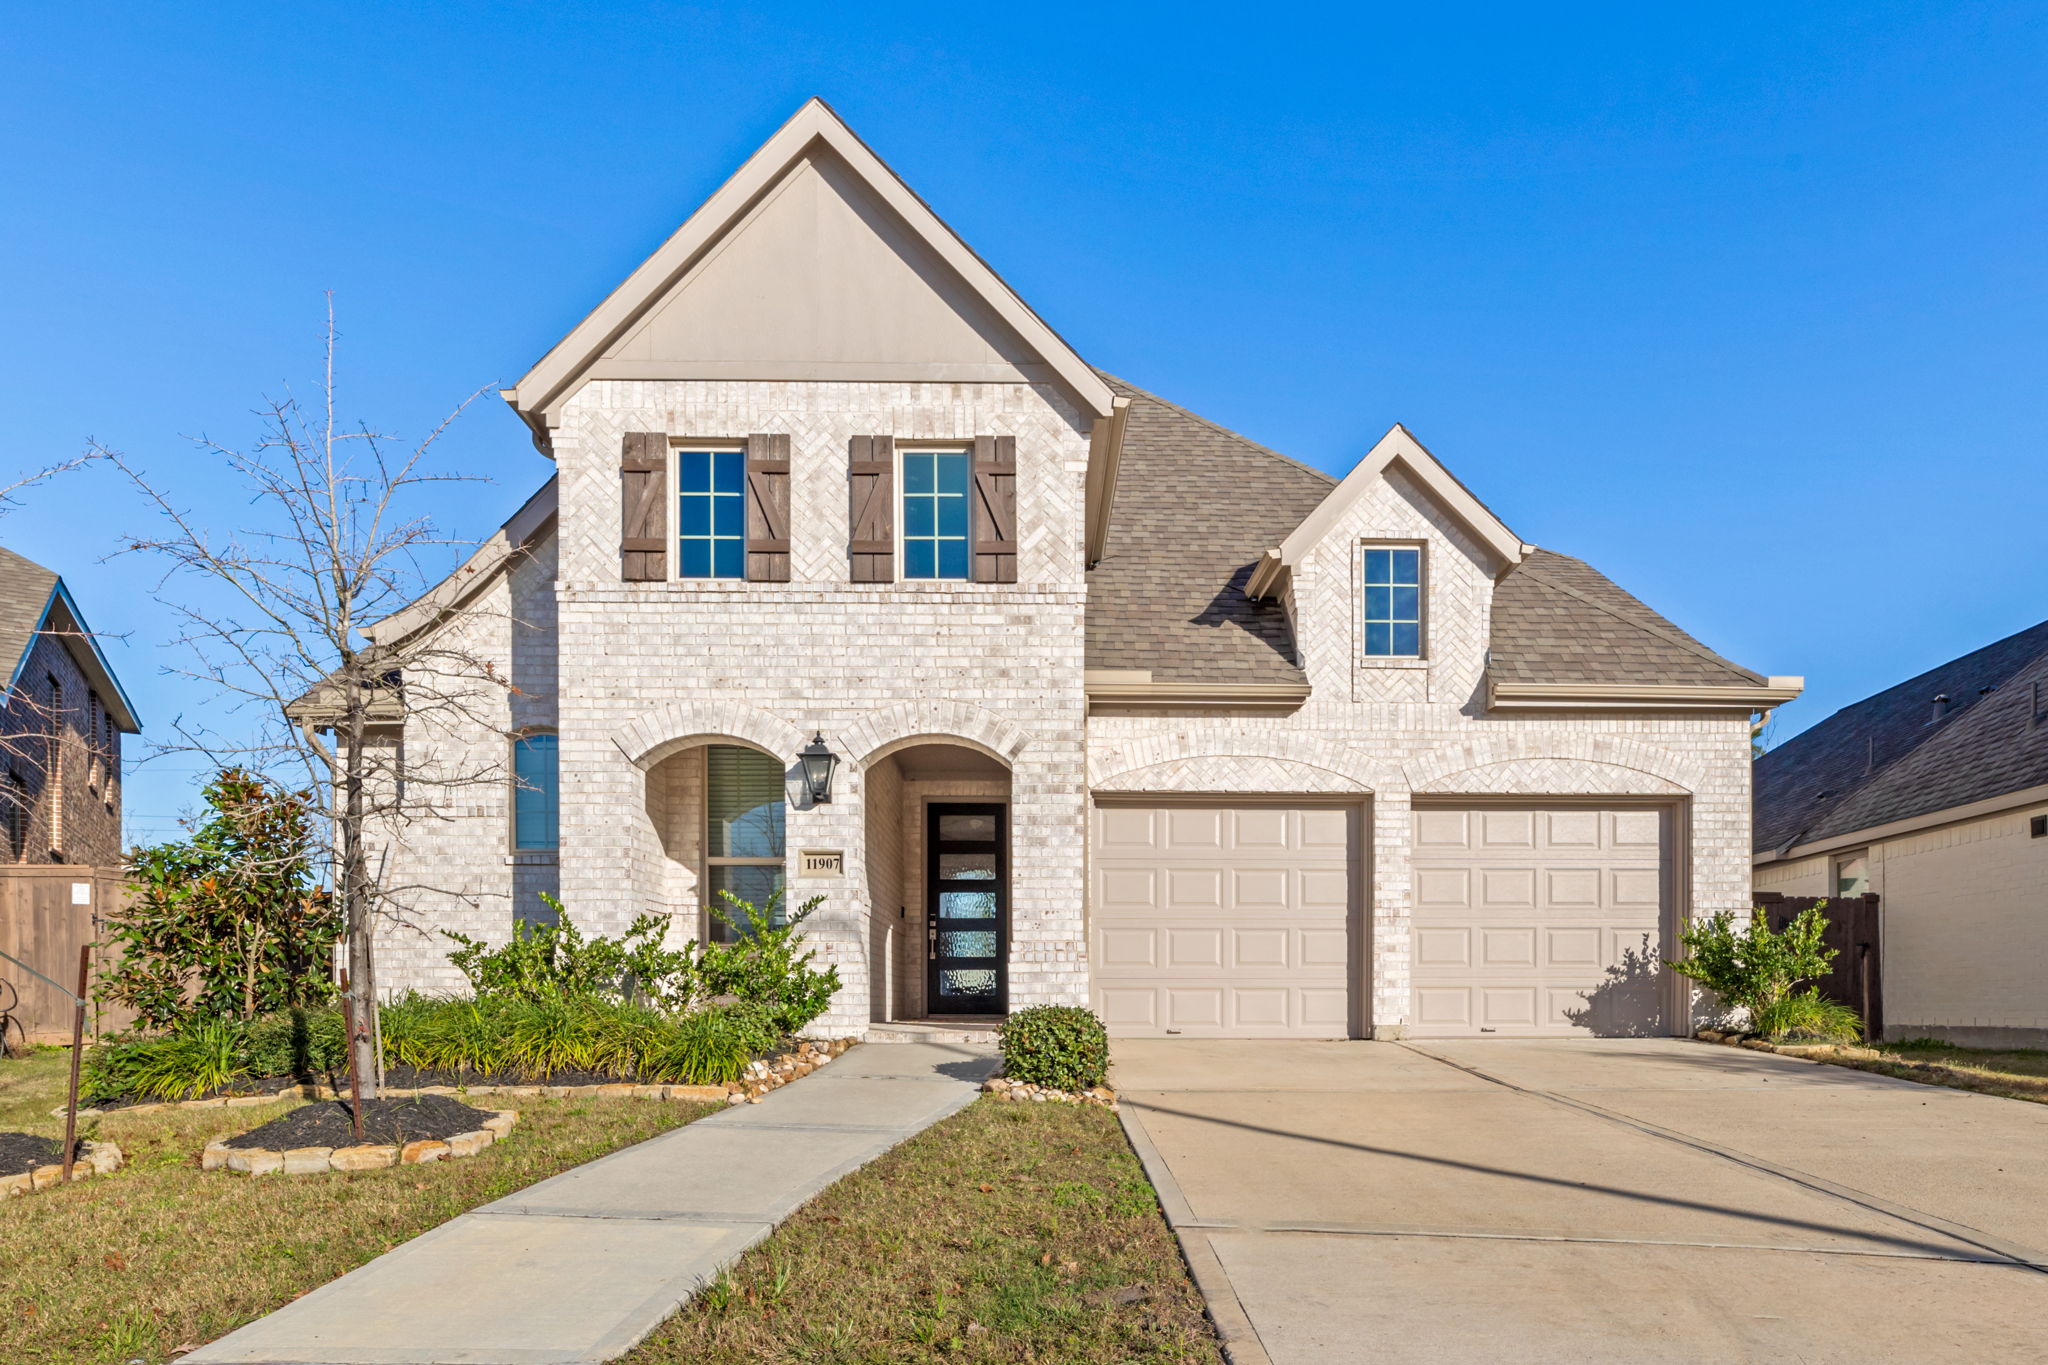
(1856, 978)
(47, 913)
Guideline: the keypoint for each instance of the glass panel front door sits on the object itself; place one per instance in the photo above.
(967, 901)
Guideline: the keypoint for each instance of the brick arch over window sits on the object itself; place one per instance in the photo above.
(1229, 762)
(659, 733)
(879, 733)
(1554, 765)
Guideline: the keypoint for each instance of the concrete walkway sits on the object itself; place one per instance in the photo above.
(580, 1267)
(1591, 1201)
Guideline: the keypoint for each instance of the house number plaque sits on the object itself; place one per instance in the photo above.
(821, 862)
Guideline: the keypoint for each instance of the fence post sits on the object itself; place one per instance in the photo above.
(77, 1055)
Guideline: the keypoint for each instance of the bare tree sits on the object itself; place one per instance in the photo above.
(277, 617)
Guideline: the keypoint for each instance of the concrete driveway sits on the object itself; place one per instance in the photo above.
(1642, 1200)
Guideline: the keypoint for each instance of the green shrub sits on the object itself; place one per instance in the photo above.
(555, 961)
(1063, 1047)
(1749, 966)
(209, 1055)
(306, 1043)
(767, 964)
(1806, 1014)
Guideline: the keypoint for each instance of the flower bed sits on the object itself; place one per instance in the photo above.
(28, 1162)
(321, 1137)
(1003, 1088)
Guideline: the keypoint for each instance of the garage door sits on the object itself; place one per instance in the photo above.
(1218, 921)
(1540, 921)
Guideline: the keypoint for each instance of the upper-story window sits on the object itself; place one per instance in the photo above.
(935, 521)
(711, 513)
(536, 802)
(1393, 602)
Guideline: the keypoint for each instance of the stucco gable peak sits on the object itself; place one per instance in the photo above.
(813, 131)
(1397, 450)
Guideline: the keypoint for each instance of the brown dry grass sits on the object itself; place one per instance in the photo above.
(162, 1256)
(2014, 1073)
(1010, 1232)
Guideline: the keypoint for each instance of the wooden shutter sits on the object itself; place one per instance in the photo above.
(871, 509)
(768, 508)
(643, 507)
(994, 504)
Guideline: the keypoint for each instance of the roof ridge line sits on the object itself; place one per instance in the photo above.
(1216, 426)
(1684, 642)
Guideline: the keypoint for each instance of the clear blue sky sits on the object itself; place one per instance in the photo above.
(1745, 305)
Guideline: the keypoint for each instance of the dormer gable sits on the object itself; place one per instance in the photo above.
(813, 262)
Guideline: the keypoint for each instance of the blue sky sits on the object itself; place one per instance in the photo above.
(1745, 305)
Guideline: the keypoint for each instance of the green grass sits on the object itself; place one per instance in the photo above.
(1010, 1232)
(161, 1256)
(2015, 1073)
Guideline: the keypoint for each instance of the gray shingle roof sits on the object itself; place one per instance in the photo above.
(1560, 620)
(1887, 758)
(1196, 506)
(25, 588)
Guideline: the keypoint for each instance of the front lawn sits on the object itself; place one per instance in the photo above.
(2017, 1073)
(1010, 1232)
(161, 1257)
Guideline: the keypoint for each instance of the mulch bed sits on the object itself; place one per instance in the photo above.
(326, 1123)
(395, 1078)
(21, 1153)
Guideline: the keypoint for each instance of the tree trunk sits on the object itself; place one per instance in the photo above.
(357, 896)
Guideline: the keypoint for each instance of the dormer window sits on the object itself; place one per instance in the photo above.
(935, 521)
(1393, 602)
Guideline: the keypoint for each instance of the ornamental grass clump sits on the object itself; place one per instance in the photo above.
(533, 1040)
(1060, 1047)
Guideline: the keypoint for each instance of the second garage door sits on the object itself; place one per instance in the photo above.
(1223, 921)
(1540, 921)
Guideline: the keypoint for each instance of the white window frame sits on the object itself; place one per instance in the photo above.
(1422, 622)
(902, 521)
(674, 480)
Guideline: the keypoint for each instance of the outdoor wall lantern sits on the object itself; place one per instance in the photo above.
(818, 762)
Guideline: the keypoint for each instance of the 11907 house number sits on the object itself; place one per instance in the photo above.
(821, 862)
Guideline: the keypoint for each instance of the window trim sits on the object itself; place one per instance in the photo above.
(706, 860)
(1835, 862)
(1422, 612)
(513, 788)
(962, 448)
(673, 480)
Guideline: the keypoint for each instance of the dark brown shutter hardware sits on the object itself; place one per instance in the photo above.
(871, 510)
(994, 508)
(768, 507)
(643, 507)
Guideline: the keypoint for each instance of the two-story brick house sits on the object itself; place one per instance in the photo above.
(1127, 709)
(61, 725)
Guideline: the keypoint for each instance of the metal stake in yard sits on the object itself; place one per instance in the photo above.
(355, 1081)
(77, 1055)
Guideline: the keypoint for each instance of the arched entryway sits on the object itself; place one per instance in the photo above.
(719, 809)
(938, 865)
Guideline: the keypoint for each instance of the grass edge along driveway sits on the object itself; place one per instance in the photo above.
(1008, 1232)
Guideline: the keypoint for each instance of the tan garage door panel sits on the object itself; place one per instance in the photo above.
(1220, 921)
(1539, 921)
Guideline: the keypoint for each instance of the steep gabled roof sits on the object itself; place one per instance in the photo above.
(1560, 620)
(1888, 757)
(1196, 505)
(34, 603)
(814, 130)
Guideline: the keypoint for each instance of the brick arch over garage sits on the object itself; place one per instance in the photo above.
(659, 733)
(1554, 765)
(880, 733)
(1269, 761)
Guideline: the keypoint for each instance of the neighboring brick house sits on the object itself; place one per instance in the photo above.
(60, 727)
(1128, 709)
(1934, 795)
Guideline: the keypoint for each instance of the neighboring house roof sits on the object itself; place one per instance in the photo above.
(1560, 620)
(1889, 758)
(1196, 505)
(33, 603)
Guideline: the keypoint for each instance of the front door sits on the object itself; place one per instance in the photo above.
(967, 901)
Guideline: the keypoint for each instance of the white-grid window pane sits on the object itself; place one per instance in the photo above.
(1393, 602)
